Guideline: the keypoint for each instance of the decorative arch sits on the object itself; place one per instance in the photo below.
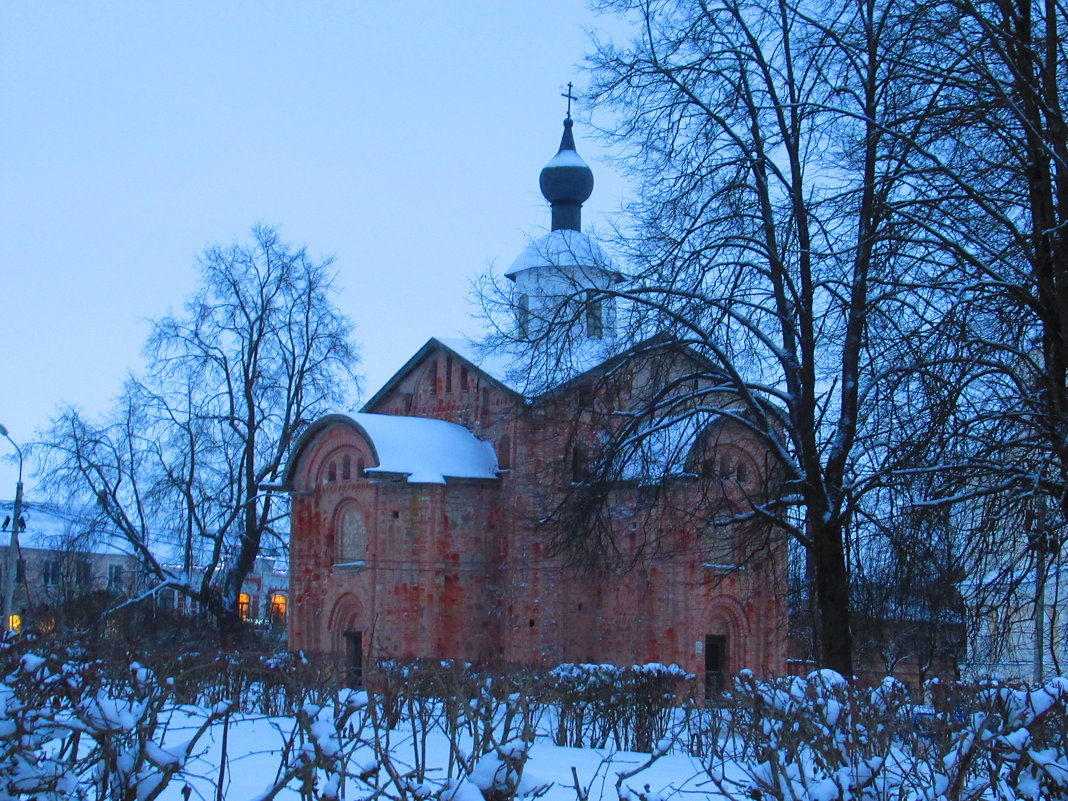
(324, 443)
(346, 614)
(720, 452)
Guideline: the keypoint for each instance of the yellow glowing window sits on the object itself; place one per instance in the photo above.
(14, 622)
(278, 606)
(244, 603)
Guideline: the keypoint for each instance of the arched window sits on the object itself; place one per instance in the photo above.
(725, 468)
(351, 535)
(432, 374)
(331, 473)
(346, 468)
(580, 464)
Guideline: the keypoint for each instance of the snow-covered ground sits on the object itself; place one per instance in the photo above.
(256, 742)
(69, 731)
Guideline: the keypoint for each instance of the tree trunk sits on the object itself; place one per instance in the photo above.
(834, 635)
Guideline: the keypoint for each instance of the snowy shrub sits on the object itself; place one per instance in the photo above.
(602, 705)
(65, 728)
(820, 738)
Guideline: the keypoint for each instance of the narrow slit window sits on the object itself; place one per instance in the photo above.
(523, 315)
(504, 453)
(594, 318)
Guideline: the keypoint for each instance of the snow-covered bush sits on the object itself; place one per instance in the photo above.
(625, 707)
(820, 738)
(66, 729)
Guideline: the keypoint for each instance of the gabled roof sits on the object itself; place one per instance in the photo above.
(509, 371)
(493, 368)
(425, 450)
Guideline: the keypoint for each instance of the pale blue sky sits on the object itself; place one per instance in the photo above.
(404, 138)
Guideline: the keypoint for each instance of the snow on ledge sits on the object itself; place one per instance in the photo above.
(561, 248)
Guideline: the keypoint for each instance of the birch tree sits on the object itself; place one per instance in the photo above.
(176, 469)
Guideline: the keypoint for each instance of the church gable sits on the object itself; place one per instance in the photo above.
(441, 382)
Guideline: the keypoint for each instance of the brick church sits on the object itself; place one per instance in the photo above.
(455, 516)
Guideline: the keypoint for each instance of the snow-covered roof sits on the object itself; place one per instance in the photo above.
(427, 450)
(561, 248)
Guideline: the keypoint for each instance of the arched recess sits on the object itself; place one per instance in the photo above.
(349, 636)
(347, 614)
(728, 644)
(350, 533)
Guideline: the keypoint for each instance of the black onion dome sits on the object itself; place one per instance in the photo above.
(566, 180)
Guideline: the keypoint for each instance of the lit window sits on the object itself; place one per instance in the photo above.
(278, 607)
(244, 604)
(14, 623)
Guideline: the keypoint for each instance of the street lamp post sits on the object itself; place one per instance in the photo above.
(12, 548)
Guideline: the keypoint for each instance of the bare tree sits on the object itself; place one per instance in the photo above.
(765, 143)
(177, 468)
(986, 421)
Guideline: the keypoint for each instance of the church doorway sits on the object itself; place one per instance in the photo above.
(354, 658)
(715, 664)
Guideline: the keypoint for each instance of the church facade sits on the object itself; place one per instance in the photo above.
(454, 516)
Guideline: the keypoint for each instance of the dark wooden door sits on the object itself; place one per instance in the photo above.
(715, 664)
(354, 657)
